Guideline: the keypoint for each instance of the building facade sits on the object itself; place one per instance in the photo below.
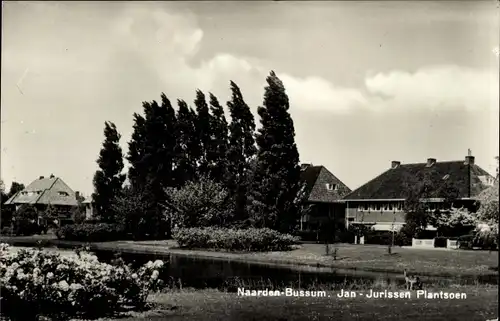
(323, 193)
(380, 202)
(48, 191)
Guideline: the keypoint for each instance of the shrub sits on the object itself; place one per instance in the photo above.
(200, 203)
(440, 241)
(99, 232)
(39, 283)
(249, 240)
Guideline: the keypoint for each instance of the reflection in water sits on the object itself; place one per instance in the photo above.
(215, 273)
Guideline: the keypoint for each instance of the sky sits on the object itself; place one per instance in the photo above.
(368, 82)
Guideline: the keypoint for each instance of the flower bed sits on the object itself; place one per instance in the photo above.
(248, 240)
(36, 282)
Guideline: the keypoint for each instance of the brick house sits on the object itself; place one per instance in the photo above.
(323, 191)
(46, 191)
(380, 201)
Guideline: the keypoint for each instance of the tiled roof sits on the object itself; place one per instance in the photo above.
(393, 183)
(316, 178)
(51, 190)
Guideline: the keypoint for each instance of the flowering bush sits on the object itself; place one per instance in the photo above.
(252, 239)
(36, 282)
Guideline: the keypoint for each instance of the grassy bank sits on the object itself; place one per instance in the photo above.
(479, 305)
(372, 258)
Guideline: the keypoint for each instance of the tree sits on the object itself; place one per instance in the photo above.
(216, 152)
(455, 222)
(241, 150)
(204, 130)
(199, 204)
(188, 146)
(137, 212)
(137, 173)
(277, 179)
(152, 155)
(14, 188)
(420, 189)
(488, 212)
(108, 180)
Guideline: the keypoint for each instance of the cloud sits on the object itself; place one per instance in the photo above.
(437, 87)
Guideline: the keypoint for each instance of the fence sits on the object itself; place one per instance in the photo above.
(422, 242)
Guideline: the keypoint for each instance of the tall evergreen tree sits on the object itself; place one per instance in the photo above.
(204, 131)
(216, 153)
(152, 156)
(276, 180)
(137, 172)
(241, 150)
(108, 179)
(188, 147)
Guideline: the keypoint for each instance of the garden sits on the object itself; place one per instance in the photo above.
(36, 283)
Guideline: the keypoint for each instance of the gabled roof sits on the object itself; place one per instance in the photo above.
(315, 179)
(468, 180)
(51, 190)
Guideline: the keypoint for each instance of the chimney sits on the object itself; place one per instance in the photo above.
(77, 195)
(303, 167)
(469, 160)
(430, 162)
(41, 177)
(51, 175)
(395, 164)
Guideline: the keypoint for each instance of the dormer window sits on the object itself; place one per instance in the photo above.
(331, 187)
(63, 194)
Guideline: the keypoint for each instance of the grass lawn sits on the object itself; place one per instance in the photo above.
(479, 305)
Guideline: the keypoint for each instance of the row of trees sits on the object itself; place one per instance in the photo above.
(251, 176)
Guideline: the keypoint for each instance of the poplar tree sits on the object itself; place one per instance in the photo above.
(108, 179)
(241, 150)
(216, 153)
(276, 181)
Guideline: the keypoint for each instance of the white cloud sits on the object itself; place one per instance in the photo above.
(437, 87)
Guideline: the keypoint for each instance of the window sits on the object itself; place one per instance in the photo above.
(63, 194)
(331, 187)
(391, 206)
(351, 219)
(367, 208)
(361, 208)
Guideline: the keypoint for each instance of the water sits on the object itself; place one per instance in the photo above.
(186, 271)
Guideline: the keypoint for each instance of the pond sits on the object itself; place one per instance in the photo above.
(225, 274)
(190, 272)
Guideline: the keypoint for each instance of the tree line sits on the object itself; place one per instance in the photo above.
(171, 149)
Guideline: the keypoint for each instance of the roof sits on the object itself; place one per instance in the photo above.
(316, 178)
(392, 184)
(51, 190)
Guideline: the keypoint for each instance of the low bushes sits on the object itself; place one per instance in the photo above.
(37, 283)
(385, 238)
(440, 241)
(99, 232)
(249, 240)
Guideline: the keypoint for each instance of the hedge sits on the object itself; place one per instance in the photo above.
(385, 238)
(248, 240)
(85, 232)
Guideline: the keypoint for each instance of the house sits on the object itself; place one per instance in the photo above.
(380, 201)
(46, 191)
(323, 192)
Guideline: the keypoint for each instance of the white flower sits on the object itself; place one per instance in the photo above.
(63, 285)
(50, 275)
(75, 286)
(134, 276)
(155, 274)
(158, 264)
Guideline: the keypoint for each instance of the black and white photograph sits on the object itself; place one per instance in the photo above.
(249, 160)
